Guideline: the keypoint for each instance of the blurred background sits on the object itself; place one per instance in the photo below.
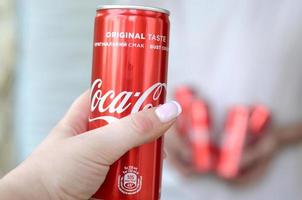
(233, 52)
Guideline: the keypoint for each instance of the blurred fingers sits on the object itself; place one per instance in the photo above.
(179, 152)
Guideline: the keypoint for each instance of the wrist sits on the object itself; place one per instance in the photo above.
(23, 184)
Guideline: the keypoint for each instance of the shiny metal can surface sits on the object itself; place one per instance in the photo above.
(129, 74)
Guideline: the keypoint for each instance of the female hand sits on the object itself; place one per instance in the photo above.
(72, 162)
(253, 164)
(256, 158)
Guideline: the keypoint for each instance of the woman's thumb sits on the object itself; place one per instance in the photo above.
(115, 139)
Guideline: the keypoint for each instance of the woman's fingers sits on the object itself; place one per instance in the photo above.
(255, 159)
(252, 174)
(179, 152)
(263, 149)
(115, 139)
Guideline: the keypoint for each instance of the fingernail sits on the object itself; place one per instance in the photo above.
(168, 111)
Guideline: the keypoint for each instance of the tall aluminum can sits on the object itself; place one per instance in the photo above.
(129, 74)
(185, 96)
(199, 134)
(234, 139)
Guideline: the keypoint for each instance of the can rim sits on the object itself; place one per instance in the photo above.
(151, 8)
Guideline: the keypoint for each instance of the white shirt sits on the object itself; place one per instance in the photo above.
(240, 52)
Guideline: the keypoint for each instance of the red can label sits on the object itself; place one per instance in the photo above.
(126, 101)
(129, 74)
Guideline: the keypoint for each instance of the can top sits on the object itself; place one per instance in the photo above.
(151, 8)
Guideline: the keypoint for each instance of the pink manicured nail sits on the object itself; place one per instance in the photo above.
(168, 111)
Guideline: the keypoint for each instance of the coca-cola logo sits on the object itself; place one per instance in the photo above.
(119, 102)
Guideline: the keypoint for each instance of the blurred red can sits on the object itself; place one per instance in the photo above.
(234, 138)
(184, 96)
(129, 73)
(259, 119)
(199, 135)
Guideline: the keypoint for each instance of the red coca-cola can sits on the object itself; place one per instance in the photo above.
(259, 119)
(199, 135)
(129, 74)
(184, 96)
(234, 138)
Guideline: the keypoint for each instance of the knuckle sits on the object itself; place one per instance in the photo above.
(141, 123)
